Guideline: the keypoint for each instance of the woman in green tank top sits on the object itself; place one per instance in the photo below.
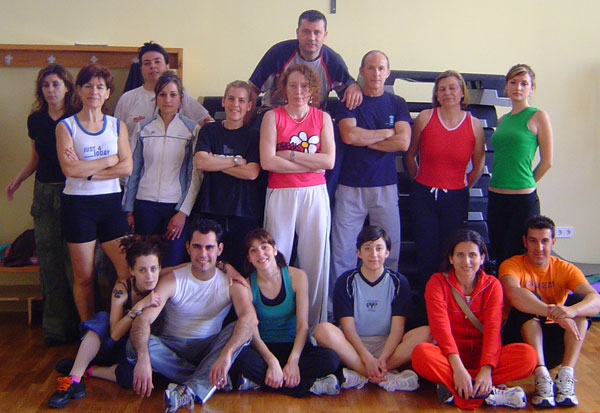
(512, 189)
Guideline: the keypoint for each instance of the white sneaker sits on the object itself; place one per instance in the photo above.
(328, 385)
(406, 381)
(247, 384)
(543, 395)
(513, 397)
(564, 384)
(177, 396)
(353, 379)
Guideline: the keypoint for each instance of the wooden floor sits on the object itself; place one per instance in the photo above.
(27, 379)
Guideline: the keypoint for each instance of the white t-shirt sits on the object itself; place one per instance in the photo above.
(198, 308)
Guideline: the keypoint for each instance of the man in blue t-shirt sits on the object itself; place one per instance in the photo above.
(308, 49)
(373, 133)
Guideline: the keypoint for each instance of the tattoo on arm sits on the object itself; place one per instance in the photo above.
(117, 293)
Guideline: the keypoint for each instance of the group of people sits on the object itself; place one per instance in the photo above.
(197, 183)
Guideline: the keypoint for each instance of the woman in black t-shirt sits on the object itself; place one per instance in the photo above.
(54, 100)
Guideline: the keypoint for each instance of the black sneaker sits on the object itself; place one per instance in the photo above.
(64, 366)
(66, 391)
(444, 395)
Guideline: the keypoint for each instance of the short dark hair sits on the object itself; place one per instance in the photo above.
(312, 16)
(261, 235)
(463, 235)
(205, 226)
(92, 71)
(539, 222)
(136, 246)
(371, 233)
(362, 61)
(152, 47)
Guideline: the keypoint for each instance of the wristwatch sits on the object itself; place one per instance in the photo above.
(236, 161)
(292, 156)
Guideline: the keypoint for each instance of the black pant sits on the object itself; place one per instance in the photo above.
(436, 215)
(507, 214)
(553, 341)
(315, 362)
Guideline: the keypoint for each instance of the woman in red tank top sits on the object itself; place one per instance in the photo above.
(446, 138)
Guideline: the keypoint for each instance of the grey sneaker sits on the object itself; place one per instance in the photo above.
(543, 395)
(353, 379)
(513, 397)
(247, 384)
(564, 385)
(444, 395)
(177, 396)
(406, 381)
(328, 385)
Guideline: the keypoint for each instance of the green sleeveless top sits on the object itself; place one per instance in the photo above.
(276, 323)
(514, 148)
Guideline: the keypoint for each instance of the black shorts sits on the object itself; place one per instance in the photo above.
(553, 341)
(89, 217)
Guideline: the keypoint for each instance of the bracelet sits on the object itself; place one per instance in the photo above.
(89, 178)
(292, 156)
(133, 313)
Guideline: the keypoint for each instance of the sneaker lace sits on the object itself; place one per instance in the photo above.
(543, 386)
(64, 383)
(566, 384)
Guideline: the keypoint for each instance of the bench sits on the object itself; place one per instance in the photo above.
(20, 284)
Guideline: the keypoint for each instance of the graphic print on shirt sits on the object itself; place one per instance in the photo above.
(301, 143)
(91, 152)
(371, 305)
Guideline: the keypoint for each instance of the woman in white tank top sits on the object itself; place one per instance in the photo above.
(93, 151)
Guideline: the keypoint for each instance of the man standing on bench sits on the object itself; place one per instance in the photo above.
(308, 49)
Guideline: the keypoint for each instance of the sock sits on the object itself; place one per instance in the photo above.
(89, 371)
(541, 370)
(75, 379)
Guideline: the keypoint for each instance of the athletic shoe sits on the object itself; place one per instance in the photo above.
(65, 365)
(353, 379)
(247, 384)
(328, 385)
(406, 381)
(564, 385)
(543, 395)
(66, 391)
(513, 397)
(177, 396)
(444, 395)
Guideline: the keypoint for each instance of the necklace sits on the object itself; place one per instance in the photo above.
(137, 290)
(298, 120)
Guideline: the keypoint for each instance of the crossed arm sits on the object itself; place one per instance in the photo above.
(386, 140)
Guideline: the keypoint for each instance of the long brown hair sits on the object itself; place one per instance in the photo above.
(40, 104)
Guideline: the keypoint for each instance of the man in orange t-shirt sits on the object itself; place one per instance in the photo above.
(544, 315)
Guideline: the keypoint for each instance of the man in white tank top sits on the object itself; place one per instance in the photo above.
(192, 350)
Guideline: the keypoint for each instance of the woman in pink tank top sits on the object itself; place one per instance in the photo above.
(445, 138)
(296, 147)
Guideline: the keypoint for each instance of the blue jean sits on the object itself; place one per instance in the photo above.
(152, 218)
(187, 360)
(436, 215)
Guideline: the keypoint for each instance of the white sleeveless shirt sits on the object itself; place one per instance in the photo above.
(91, 146)
(198, 308)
